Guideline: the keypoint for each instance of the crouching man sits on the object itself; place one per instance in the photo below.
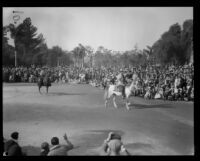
(113, 146)
(60, 150)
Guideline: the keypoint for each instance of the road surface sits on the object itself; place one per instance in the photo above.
(151, 127)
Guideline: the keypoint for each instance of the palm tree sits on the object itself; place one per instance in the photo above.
(82, 52)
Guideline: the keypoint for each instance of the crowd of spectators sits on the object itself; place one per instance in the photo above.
(56, 74)
(156, 82)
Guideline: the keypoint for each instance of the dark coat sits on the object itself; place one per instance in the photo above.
(47, 81)
(12, 148)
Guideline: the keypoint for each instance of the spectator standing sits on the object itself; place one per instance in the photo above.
(12, 147)
(60, 150)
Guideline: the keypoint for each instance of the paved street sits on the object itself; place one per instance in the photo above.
(151, 127)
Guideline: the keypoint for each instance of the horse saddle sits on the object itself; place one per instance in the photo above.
(119, 88)
(40, 81)
(46, 81)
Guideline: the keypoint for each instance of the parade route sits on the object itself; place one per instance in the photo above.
(151, 127)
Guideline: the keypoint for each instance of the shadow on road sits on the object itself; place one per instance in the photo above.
(64, 94)
(142, 106)
(138, 147)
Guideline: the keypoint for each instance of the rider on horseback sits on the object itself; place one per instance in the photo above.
(47, 80)
(44, 79)
(41, 77)
(120, 82)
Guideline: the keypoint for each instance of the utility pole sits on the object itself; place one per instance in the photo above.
(16, 18)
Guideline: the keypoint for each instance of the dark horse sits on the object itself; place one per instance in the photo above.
(44, 81)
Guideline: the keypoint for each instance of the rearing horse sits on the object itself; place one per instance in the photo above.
(129, 90)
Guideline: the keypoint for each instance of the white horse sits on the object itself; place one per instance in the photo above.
(82, 77)
(129, 90)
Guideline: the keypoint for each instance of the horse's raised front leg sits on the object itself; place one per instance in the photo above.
(106, 102)
(128, 102)
(106, 98)
(114, 101)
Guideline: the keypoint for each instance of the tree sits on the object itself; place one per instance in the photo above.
(187, 39)
(89, 52)
(103, 57)
(26, 40)
(54, 55)
(76, 56)
(65, 59)
(82, 53)
(40, 56)
(7, 50)
(174, 46)
(148, 52)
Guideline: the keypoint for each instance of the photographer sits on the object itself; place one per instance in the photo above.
(113, 145)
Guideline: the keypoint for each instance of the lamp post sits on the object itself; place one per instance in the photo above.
(16, 18)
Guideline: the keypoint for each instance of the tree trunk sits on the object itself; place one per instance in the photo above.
(82, 61)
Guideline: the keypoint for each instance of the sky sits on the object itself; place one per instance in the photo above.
(115, 28)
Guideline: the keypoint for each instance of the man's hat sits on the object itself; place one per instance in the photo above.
(14, 135)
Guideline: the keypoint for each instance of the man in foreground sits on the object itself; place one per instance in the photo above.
(60, 150)
(12, 147)
(113, 145)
